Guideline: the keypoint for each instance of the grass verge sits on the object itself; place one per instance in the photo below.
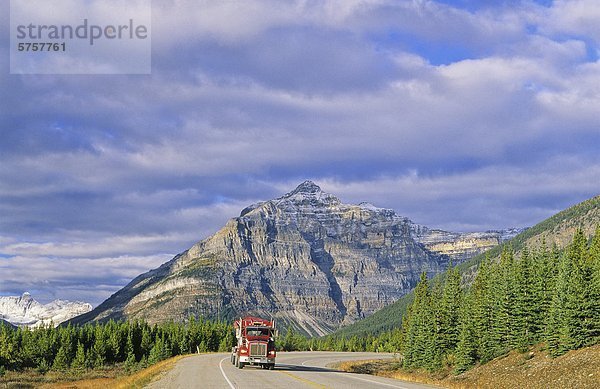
(532, 369)
(113, 377)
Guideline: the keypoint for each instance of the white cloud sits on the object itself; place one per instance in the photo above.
(82, 279)
(578, 17)
(487, 198)
(96, 246)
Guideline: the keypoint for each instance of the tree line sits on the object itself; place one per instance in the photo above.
(544, 295)
(385, 342)
(137, 344)
(91, 346)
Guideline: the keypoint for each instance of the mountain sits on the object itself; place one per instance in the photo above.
(24, 311)
(462, 246)
(556, 230)
(305, 258)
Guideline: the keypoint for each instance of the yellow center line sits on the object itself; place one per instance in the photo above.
(304, 380)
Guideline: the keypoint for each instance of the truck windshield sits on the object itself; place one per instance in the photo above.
(253, 331)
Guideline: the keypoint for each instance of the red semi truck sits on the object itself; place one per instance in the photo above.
(255, 343)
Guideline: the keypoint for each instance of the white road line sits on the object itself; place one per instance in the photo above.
(359, 378)
(223, 373)
(375, 382)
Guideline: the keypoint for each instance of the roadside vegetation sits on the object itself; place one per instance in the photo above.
(535, 369)
(514, 303)
(102, 350)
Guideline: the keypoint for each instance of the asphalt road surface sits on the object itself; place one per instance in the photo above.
(292, 370)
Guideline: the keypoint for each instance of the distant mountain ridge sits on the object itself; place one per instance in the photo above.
(462, 246)
(24, 311)
(305, 258)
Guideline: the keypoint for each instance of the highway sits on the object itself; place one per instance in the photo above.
(293, 370)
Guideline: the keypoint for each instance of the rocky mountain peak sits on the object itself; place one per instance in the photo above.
(307, 190)
(307, 187)
(308, 194)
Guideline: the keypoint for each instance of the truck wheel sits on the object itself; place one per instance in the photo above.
(272, 366)
(241, 365)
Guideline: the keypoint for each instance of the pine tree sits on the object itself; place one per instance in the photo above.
(572, 312)
(158, 351)
(523, 326)
(594, 253)
(483, 312)
(557, 334)
(449, 312)
(146, 342)
(78, 363)
(545, 266)
(419, 341)
(7, 346)
(433, 329)
(130, 360)
(61, 361)
(97, 353)
(466, 348)
(583, 303)
(503, 292)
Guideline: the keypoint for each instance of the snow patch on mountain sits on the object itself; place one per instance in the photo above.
(25, 311)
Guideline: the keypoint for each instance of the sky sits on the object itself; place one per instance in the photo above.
(463, 115)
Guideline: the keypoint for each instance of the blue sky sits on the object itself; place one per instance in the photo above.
(463, 115)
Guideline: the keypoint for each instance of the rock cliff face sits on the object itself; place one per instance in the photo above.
(305, 258)
(24, 311)
(462, 246)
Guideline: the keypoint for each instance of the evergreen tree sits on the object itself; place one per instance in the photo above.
(523, 326)
(594, 254)
(571, 311)
(420, 342)
(78, 363)
(61, 361)
(157, 353)
(503, 293)
(466, 349)
(130, 360)
(557, 334)
(545, 267)
(146, 342)
(449, 317)
(582, 303)
(484, 312)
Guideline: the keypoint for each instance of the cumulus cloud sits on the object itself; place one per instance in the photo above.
(457, 114)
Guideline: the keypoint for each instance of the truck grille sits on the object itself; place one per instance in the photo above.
(258, 350)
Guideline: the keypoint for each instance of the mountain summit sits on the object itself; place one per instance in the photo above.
(306, 258)
(307, 188)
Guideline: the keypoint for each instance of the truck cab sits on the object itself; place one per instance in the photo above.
(255, 343)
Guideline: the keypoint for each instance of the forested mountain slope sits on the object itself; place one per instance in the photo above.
(556, 230)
